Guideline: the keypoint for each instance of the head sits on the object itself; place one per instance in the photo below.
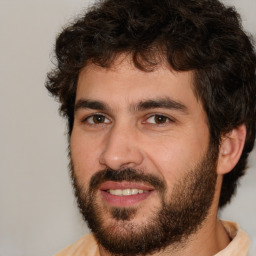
(200, 37)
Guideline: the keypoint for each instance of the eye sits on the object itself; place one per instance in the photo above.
(158, 119)
(97, 119)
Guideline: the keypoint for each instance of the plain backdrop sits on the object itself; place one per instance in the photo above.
(38, 214)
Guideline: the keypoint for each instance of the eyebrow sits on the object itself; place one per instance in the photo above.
(91, 104)
(165, 103)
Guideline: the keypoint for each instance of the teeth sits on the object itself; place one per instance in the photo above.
(126, 192)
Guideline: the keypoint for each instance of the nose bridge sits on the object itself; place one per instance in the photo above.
(121, 148)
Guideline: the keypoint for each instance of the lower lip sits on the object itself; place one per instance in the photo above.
(123, 201)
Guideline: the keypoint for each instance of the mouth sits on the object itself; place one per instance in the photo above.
(124, 194)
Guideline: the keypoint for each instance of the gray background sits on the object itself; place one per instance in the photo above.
(38, 214)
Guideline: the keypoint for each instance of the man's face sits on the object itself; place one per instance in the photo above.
(143, 170)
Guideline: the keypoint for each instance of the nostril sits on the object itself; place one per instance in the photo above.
(121, 159)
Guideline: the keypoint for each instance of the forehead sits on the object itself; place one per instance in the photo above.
(124, 78)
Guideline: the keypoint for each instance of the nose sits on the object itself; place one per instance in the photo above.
(121, 149)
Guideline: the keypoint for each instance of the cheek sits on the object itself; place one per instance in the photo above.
(162, 158)
(84, 154)
(173, 157)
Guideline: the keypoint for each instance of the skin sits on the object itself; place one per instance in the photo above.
(130, 137)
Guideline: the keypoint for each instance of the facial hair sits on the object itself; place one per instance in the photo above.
(181, 214)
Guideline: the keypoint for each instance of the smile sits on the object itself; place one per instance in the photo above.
(126, 192)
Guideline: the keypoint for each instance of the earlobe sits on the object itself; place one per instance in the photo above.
(230, 150)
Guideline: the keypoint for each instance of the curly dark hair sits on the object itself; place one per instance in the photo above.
(199, 35)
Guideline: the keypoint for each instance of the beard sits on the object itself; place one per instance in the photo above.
(181, 214)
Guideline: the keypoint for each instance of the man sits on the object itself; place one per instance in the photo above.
(160, 102)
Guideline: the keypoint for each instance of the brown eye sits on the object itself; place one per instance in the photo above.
(97, 119)
(158, 119)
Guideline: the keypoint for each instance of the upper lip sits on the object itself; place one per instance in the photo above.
(124, 185)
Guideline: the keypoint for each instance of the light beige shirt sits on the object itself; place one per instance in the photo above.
(239, 246)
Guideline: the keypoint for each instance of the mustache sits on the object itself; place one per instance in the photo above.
(127, 174)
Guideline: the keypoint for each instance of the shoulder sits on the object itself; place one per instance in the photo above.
(240, 241)
(85, 246)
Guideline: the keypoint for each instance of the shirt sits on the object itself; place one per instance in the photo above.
(239, 246)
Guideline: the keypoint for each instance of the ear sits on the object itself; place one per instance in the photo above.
(230, 150)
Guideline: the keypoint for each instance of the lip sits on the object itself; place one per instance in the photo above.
(124, 201)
